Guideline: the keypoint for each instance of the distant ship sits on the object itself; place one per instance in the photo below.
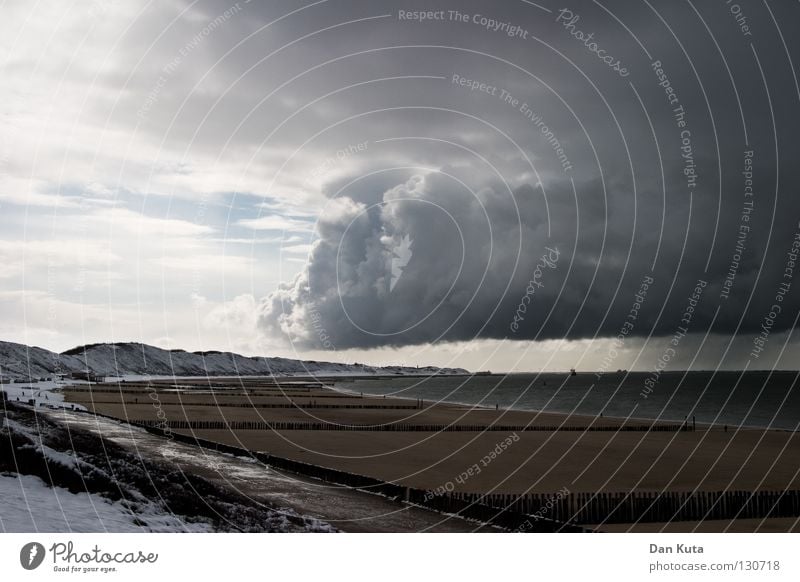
(483, 373)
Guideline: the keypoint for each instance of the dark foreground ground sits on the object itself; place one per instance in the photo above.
(229, 493)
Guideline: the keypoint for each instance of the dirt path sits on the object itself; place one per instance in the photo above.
(345, 509)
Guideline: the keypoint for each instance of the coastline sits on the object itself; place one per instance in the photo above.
(721, 425)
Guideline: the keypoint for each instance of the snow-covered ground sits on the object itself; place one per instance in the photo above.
(30, 505)
(42, 393)
(57, 476)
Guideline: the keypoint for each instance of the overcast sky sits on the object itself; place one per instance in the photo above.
(495, 186)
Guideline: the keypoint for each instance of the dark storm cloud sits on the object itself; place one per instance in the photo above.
(460, 193)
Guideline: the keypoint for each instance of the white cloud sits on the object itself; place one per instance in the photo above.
(298, 249)
(210, 264)
(147, 226)
(275, 222)
(57, 253)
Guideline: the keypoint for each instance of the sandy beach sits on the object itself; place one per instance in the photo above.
(539, 459)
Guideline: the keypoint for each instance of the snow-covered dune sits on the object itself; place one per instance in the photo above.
(127, 359)
(19, 361)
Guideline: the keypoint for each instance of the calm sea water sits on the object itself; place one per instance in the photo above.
(732, 398)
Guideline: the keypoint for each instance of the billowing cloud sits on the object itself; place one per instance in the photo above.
(489, 264)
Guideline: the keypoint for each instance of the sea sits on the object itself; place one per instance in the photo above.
(736, 399)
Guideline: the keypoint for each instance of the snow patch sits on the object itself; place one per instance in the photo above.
(30, 505)
(40, 393)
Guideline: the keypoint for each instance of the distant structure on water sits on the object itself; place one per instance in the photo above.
(86, 377)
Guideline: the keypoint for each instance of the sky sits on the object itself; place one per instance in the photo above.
(512, 186)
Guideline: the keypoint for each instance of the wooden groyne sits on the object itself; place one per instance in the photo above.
(302, 405)
(643, 506)
(299, 425)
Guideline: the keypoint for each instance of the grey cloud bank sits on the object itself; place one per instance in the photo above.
(667, 152)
